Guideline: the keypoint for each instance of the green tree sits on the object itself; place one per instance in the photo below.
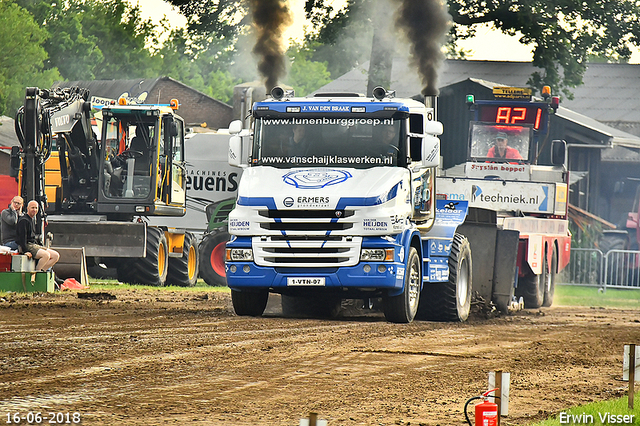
(564, 34)
(93, 39)
(22, 56)
(305, 75)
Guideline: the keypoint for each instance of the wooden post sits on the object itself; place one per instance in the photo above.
(632, 374)
(313, 419)
(498, 393)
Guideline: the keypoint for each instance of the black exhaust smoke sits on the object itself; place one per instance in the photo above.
(425, 23)
(271, 18)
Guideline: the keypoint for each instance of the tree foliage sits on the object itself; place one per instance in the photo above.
(22, 56)
(93, 39)
(564, 34)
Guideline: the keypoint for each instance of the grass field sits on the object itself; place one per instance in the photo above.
(597, 414)
(571, 295)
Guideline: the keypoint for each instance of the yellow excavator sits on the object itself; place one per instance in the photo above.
(97, 193)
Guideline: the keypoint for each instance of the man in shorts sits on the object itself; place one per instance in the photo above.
(28, 240)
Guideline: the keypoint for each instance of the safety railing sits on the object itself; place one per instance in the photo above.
(586, 267)
(590, 267)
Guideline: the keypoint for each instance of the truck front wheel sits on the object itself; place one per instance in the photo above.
(450, 300)
(249, 303)
(403, 307)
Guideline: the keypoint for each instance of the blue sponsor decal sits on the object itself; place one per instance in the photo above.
(315, 178)
(438, 269)
(329, 107)
(543, 205)
(439, 247)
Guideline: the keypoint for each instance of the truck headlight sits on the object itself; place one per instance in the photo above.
(377, 255)
(239, 255)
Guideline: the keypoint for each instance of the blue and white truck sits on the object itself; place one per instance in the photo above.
(337, 201)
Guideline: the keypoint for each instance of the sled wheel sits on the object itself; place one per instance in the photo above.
(550, 285)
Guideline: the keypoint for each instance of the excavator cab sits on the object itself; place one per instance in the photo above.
(142, 158)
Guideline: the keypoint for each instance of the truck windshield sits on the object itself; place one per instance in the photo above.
(328, 141)
(499, 143)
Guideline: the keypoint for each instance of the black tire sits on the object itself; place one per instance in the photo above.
(101, 271)
(183, 271)
(317, 306)
(450, 300)
(212, 253)
(249, 303)
(550, 284)
(613, 240)
(531, 287)
(403, 307)
(151, 269)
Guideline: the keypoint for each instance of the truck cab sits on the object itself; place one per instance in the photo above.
(336, 201)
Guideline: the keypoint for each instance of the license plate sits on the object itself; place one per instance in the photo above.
(311, 281)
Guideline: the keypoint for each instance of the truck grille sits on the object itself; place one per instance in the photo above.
(306, 237)
(341, 251)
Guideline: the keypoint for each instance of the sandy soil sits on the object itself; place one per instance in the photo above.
(148, 357)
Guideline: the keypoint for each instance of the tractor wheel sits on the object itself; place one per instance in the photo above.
(403, 307)
(550, 284)
(450, 300)
(100, 270)
(151, 269)
(183, 271)
(250, 302)
(318, 306)
(123, 271)
(212, 252)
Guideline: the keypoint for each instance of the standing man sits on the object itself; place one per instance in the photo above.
(10, 217)
(28, 240)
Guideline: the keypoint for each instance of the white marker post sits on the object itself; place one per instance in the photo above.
(500, 380)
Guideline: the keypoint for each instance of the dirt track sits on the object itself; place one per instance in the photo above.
(149, 358)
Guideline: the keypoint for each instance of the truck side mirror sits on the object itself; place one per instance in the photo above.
(235, 127)
(558, 152)
(430, 151)
(235, 151)
(433, 128)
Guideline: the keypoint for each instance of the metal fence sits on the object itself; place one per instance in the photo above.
(615, 269)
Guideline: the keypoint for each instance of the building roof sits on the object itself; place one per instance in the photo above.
(136, 89)
(609, 92)
(8, 136)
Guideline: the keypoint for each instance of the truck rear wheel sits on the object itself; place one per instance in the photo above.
(183, 271)
(450, 300)
(212, 249)
(403, 307)
(249, 303)
(550, 285)
(151, 269)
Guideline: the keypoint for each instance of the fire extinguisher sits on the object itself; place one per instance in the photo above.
(486, 412)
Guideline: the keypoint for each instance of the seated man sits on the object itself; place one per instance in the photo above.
(28, 241)
(10, 217)
(502, 150)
